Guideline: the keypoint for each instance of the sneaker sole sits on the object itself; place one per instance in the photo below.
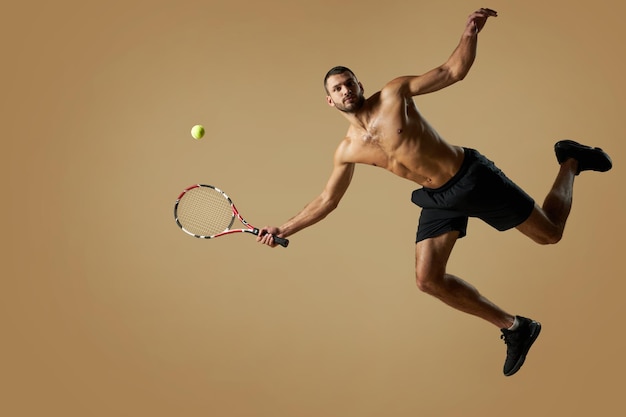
(522, 358)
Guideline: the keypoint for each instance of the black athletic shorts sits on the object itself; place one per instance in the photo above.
(479, 189)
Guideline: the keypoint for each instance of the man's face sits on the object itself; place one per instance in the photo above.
(345, 92)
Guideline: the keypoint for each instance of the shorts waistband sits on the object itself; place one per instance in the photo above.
(469, 156)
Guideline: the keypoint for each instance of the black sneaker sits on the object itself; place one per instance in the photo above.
(518, 343)
(589, 159)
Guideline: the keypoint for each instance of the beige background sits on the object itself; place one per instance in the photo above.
(107, 309)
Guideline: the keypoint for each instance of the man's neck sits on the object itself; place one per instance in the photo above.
(360, 118)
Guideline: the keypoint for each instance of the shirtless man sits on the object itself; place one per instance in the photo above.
(387, 130)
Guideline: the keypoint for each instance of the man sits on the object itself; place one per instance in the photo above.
(386, 130)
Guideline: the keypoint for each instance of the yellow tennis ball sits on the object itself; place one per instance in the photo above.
(197, 131)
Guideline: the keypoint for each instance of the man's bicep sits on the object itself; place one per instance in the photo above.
(339, 181)
(431, 81)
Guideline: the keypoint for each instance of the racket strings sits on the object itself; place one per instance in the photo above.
(204, 211)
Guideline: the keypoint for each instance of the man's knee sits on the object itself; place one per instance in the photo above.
(548, 236)
(431, 257)
(552, 238)
(541, 229)
(428, 281)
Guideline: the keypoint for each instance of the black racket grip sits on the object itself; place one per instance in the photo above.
(281, 241)
(278, 240)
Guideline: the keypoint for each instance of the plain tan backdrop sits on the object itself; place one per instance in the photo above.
(107, 309)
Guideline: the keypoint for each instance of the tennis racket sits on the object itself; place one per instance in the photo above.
(206, 212)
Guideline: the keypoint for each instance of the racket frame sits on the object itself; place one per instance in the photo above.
(235, 214)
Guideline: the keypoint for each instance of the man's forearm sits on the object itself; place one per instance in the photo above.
(463, 56)
(315, 211)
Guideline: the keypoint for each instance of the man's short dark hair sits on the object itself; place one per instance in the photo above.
(334, 71)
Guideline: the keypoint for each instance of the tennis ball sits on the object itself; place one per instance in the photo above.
(197, 131)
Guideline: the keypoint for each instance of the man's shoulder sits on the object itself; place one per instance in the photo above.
(344, 151)
(397, 83)
(374, 97)
(396, 88)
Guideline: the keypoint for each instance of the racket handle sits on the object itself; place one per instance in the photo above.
(278, 240)
(281, 241)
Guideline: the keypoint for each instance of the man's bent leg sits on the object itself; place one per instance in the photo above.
(431, 258)
(546, 224)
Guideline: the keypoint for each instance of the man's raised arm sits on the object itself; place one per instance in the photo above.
(455, 68)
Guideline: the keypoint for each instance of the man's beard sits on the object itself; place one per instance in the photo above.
(352, 107)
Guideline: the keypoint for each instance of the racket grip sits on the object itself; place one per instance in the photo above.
(281, 241)
(278, 240)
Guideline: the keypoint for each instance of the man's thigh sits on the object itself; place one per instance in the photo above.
(539, 227)
(432, 254)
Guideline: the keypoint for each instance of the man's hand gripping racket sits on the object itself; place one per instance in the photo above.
(206, 212)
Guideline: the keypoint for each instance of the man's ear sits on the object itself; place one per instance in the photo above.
(330, 102)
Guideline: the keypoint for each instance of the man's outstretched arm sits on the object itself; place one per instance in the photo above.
(317, 209)
(455, 68)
